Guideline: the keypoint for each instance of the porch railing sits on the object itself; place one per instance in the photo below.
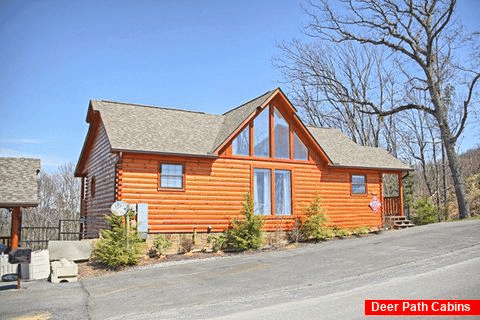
(391, 206)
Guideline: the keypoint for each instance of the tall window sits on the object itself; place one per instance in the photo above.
(171, 176)
(359, 184)
(262, 194)
(261, 137)
(279, 140)
(281, 136)
(241, 144)
(300, 151)
(262, 191)
(283, 193)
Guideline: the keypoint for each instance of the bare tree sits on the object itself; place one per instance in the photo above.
(321, 76)
(59, 199)
(429, 49)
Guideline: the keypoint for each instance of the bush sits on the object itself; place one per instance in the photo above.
(160, 244)
(314, 225)
(425, 212)
(342, 233)
(245, 234)
(360, 231)
(296, 234)
(187, 243)
(216, 241)
(119, 246)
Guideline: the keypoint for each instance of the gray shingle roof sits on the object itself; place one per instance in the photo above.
(151, 129)
(18, 182)
(346, 153)
(139, 128)
(154, 129)
(234, 118)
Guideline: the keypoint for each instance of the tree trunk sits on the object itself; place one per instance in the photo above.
(449, 144)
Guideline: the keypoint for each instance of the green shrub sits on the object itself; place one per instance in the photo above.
(245, 234)
(314, 225)
(360, 231)
(216, 241)
(425, 212)
(119, 246)
(160, 244)
(341, 233)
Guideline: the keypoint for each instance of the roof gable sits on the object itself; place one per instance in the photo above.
(18, 182)
(235, 118)
(247, 112)
(149, 129)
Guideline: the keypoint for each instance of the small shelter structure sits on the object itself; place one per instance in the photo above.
(18, 189)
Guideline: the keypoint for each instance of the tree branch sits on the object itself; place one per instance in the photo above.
(465, 107)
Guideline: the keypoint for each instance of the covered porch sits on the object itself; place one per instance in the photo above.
(393, 212)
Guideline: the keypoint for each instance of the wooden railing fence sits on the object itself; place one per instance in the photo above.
(391, 206)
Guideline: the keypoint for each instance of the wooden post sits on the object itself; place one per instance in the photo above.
(400, 194)
(15, 231)
(382, 201)
(15, 237)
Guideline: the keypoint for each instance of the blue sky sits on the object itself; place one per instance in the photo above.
(200, 55)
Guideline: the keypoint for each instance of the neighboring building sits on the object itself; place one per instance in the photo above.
(18, 189)
(193, 168)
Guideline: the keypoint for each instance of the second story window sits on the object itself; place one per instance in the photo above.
(300, 151)
(281, 136)
(270, 135)
(261, 137)
(241, 144)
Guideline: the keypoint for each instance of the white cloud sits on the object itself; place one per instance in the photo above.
(23, 141)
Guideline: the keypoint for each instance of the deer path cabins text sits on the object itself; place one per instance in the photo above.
(193, 168)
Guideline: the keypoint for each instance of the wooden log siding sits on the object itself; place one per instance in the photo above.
(101, 165)
(214, 190)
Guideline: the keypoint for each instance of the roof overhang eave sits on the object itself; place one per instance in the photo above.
(384, 169)
(118, 150)
(15, 205)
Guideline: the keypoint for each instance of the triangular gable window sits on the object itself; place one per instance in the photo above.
(271, 136)
(300, 151)
(241, 144)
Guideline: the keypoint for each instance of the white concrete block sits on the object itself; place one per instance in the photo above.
(38, 268)
(64, 271)
(70, 250)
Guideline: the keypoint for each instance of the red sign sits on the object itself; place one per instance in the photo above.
(422, 307)
(375, 204)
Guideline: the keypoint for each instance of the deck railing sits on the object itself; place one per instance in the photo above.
(391, 206)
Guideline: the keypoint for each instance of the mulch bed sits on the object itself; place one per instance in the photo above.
(90, 269)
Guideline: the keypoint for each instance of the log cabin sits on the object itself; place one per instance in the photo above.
(194, 168)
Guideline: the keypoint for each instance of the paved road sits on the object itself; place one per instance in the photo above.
(328, 280)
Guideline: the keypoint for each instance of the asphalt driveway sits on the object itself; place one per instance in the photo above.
(328, 280)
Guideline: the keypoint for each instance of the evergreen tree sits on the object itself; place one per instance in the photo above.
(121, 245)
(247, 233)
